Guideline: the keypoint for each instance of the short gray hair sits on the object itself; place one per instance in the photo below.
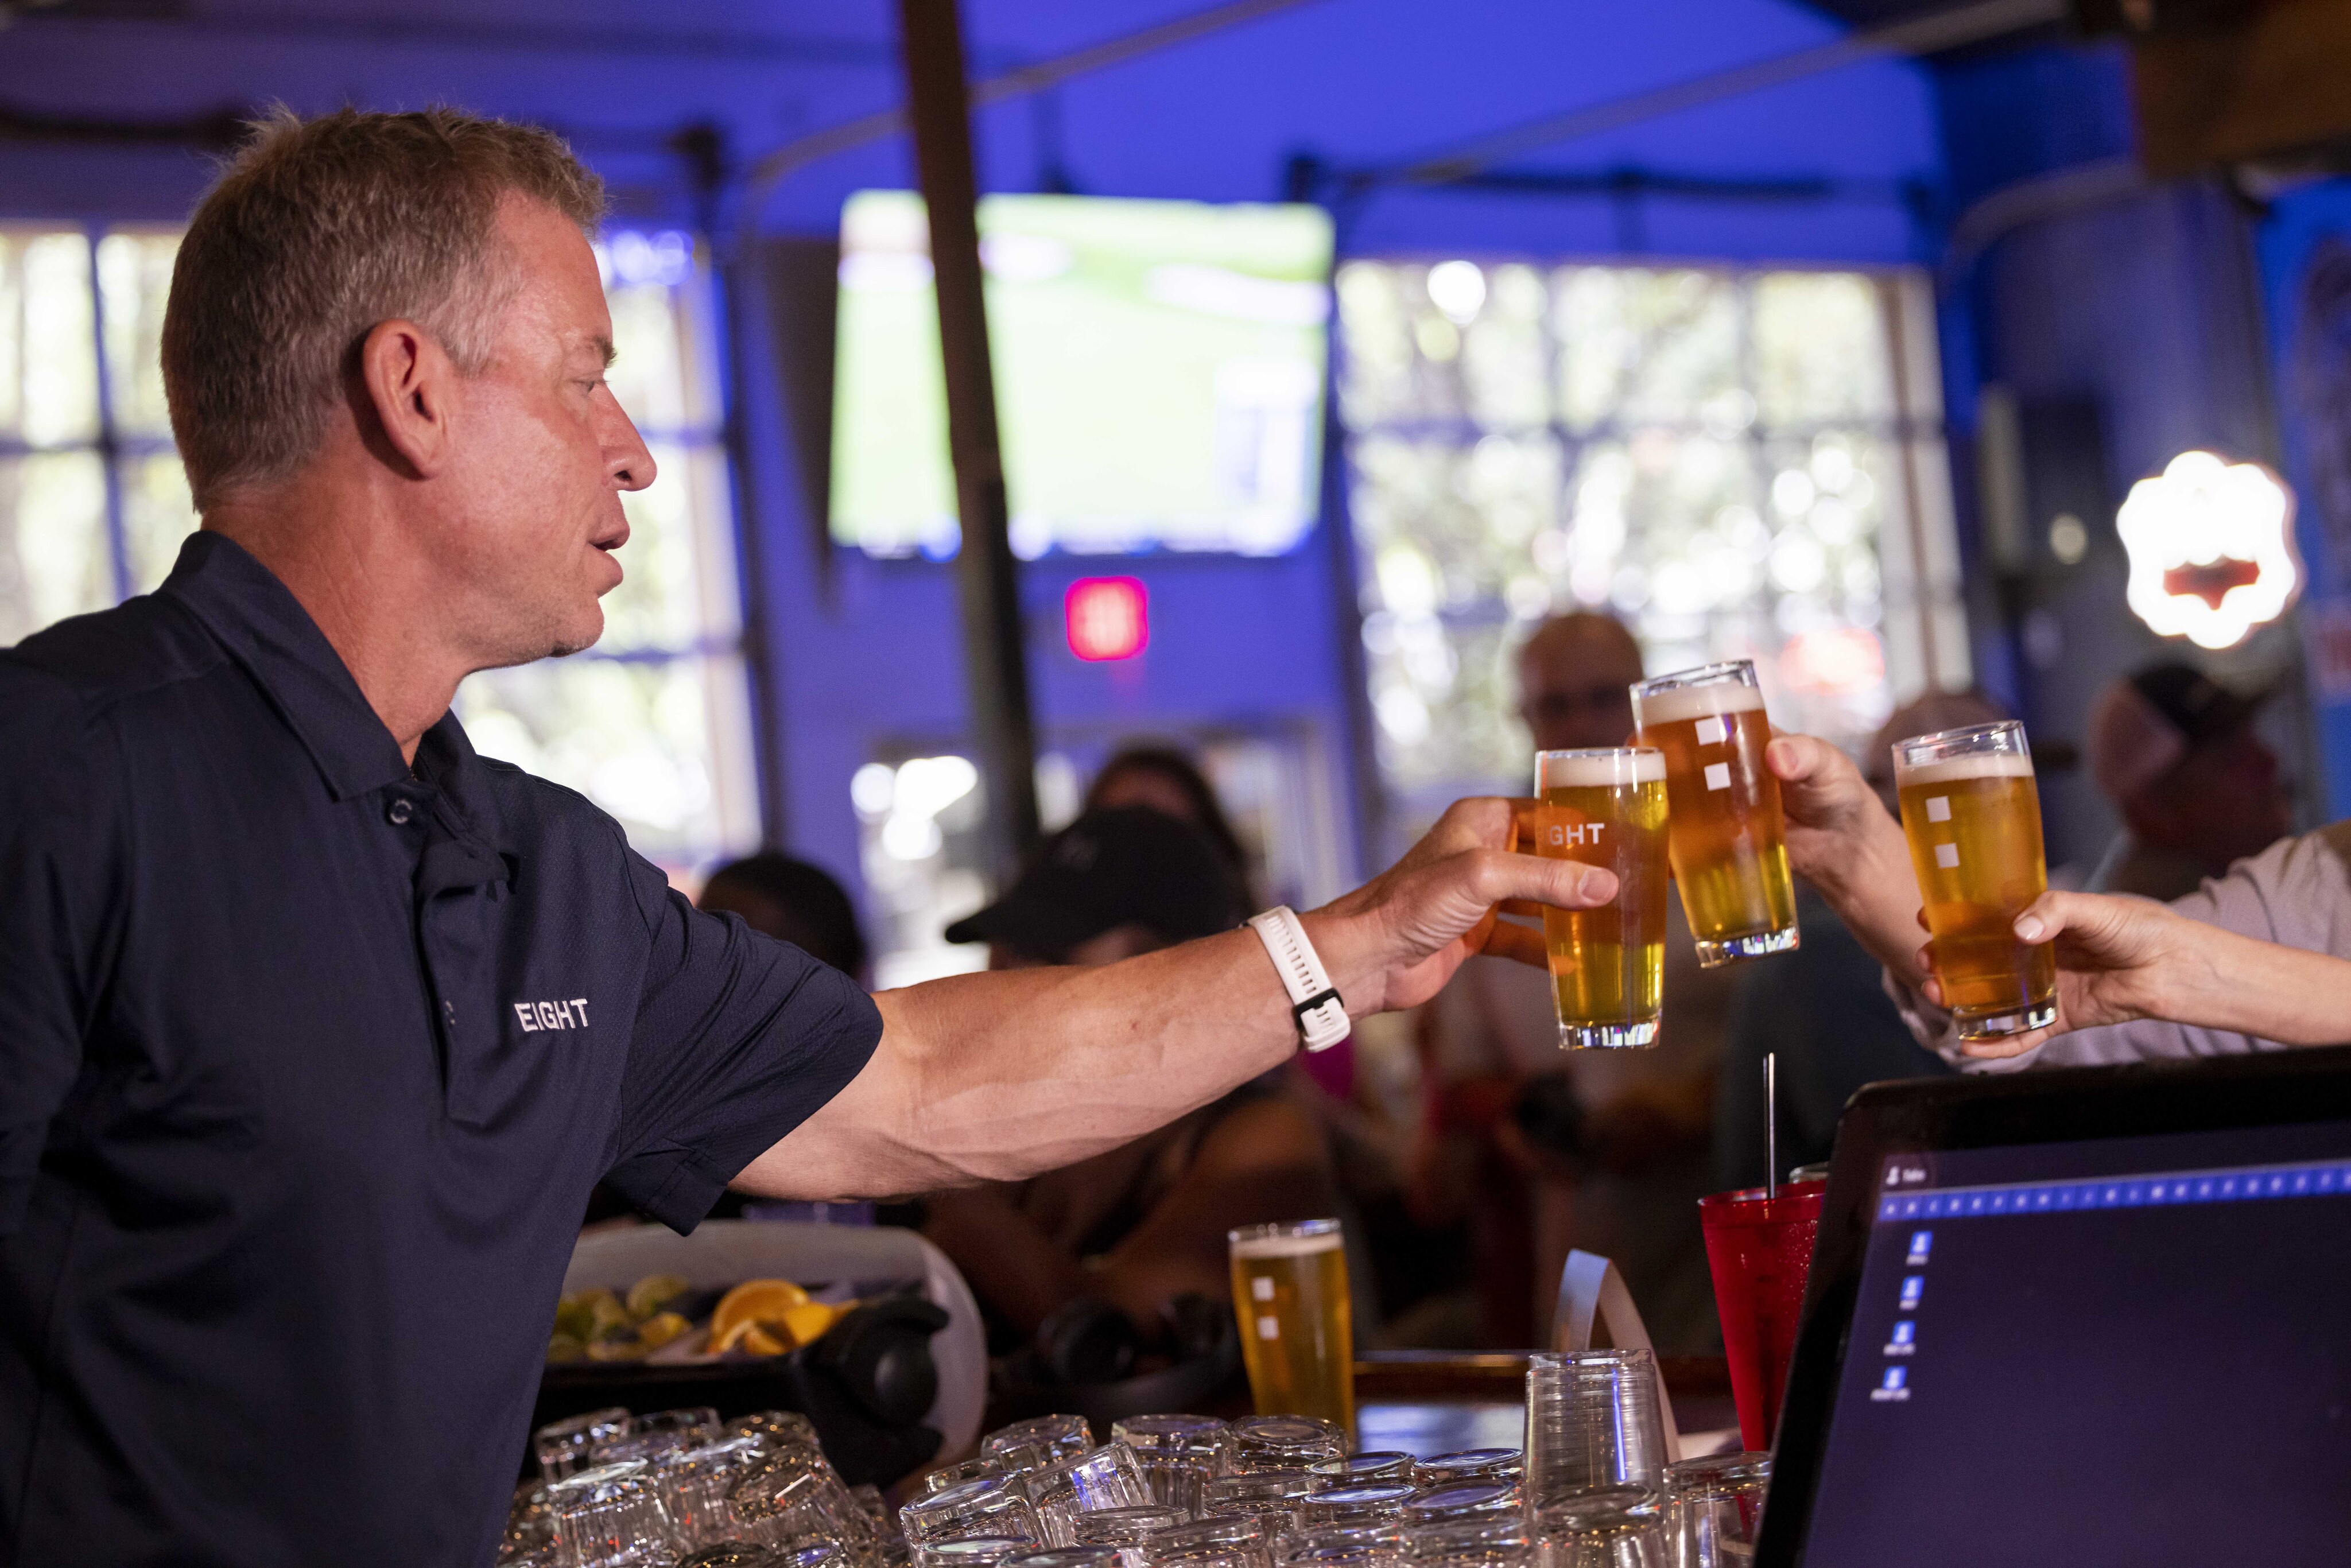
(317, 231)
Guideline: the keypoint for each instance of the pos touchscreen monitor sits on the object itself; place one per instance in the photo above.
(2096, 1316)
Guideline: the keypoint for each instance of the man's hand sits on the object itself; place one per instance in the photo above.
(1842, 841)
(1394, 941)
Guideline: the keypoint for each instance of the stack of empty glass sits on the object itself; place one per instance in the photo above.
(1470, 1465)
(1714, 1506)
(1107, 1477)
(1180, 1455)
(1270, 1496)
(679, 1490)
(1596, 1460)
(610, 1516)
(1127, 1529)
(1282, 1443)
(1217, 1541)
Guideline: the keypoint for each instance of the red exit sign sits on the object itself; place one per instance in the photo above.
(1107, 617)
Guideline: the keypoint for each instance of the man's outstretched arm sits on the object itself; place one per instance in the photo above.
(999, 1076)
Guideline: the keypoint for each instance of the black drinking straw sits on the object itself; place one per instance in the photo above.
(1771, 1124)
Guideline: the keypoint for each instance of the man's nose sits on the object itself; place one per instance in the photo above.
(628, 461)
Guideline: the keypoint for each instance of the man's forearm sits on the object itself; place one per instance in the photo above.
(996, 1076)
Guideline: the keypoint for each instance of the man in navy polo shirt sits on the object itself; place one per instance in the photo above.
(316, 1028)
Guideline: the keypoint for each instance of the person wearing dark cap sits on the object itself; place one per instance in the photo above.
(1141, 1224)
(2198, 789)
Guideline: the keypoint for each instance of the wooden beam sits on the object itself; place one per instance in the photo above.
(2276, 84)
(996, 671)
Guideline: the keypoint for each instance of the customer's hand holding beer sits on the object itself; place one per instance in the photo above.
(2121, 958)
(1841, 840)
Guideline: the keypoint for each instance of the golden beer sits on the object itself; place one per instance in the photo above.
(1728, 840)
(1297, 1323)
(1607, 965)
(1973, 821)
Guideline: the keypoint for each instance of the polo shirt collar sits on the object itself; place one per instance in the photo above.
(264, 628)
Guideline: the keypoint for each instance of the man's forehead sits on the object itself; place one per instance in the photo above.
(559, 267)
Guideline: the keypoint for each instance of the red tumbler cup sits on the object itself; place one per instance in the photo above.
(1760, 1249)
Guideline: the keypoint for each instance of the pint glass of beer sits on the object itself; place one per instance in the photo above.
(1728, 840)
(1298, 1336)
(1607, 965)
(1974, 825)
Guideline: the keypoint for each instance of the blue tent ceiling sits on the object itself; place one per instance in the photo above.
(1354, 82)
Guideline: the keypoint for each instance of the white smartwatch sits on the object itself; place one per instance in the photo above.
(1320, 1015)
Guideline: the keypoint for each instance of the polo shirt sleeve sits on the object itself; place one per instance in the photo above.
(739, 1039)
(58, 902)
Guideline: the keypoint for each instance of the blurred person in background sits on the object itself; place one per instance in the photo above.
(1546, 1150)
(1143, 1223)
(793, 901)
(1823, 1010)
(2198, 789)
(1166, 779)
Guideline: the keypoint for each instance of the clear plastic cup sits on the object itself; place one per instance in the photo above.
(1624, 1528)
(1760, 1252)
(1593, 1423)
(995, 1507)
(1262, 1443)
(1715, 1506)
(562, 1448)
(610, 1516)
(1180, 1455)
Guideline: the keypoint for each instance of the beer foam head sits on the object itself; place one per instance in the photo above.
(1286, 1242)
(1678, 703)
(1599, 769)
(1957, 769)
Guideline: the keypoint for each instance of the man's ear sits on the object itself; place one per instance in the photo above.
(409, 382)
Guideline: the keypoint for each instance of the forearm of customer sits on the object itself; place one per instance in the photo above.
(2221, 980)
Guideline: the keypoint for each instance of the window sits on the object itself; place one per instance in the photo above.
(92, 501)
(654, 724)
(1738, 464)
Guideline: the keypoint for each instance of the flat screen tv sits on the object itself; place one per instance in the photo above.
(1159, 373)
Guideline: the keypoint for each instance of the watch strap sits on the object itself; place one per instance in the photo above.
(1314, 1003)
